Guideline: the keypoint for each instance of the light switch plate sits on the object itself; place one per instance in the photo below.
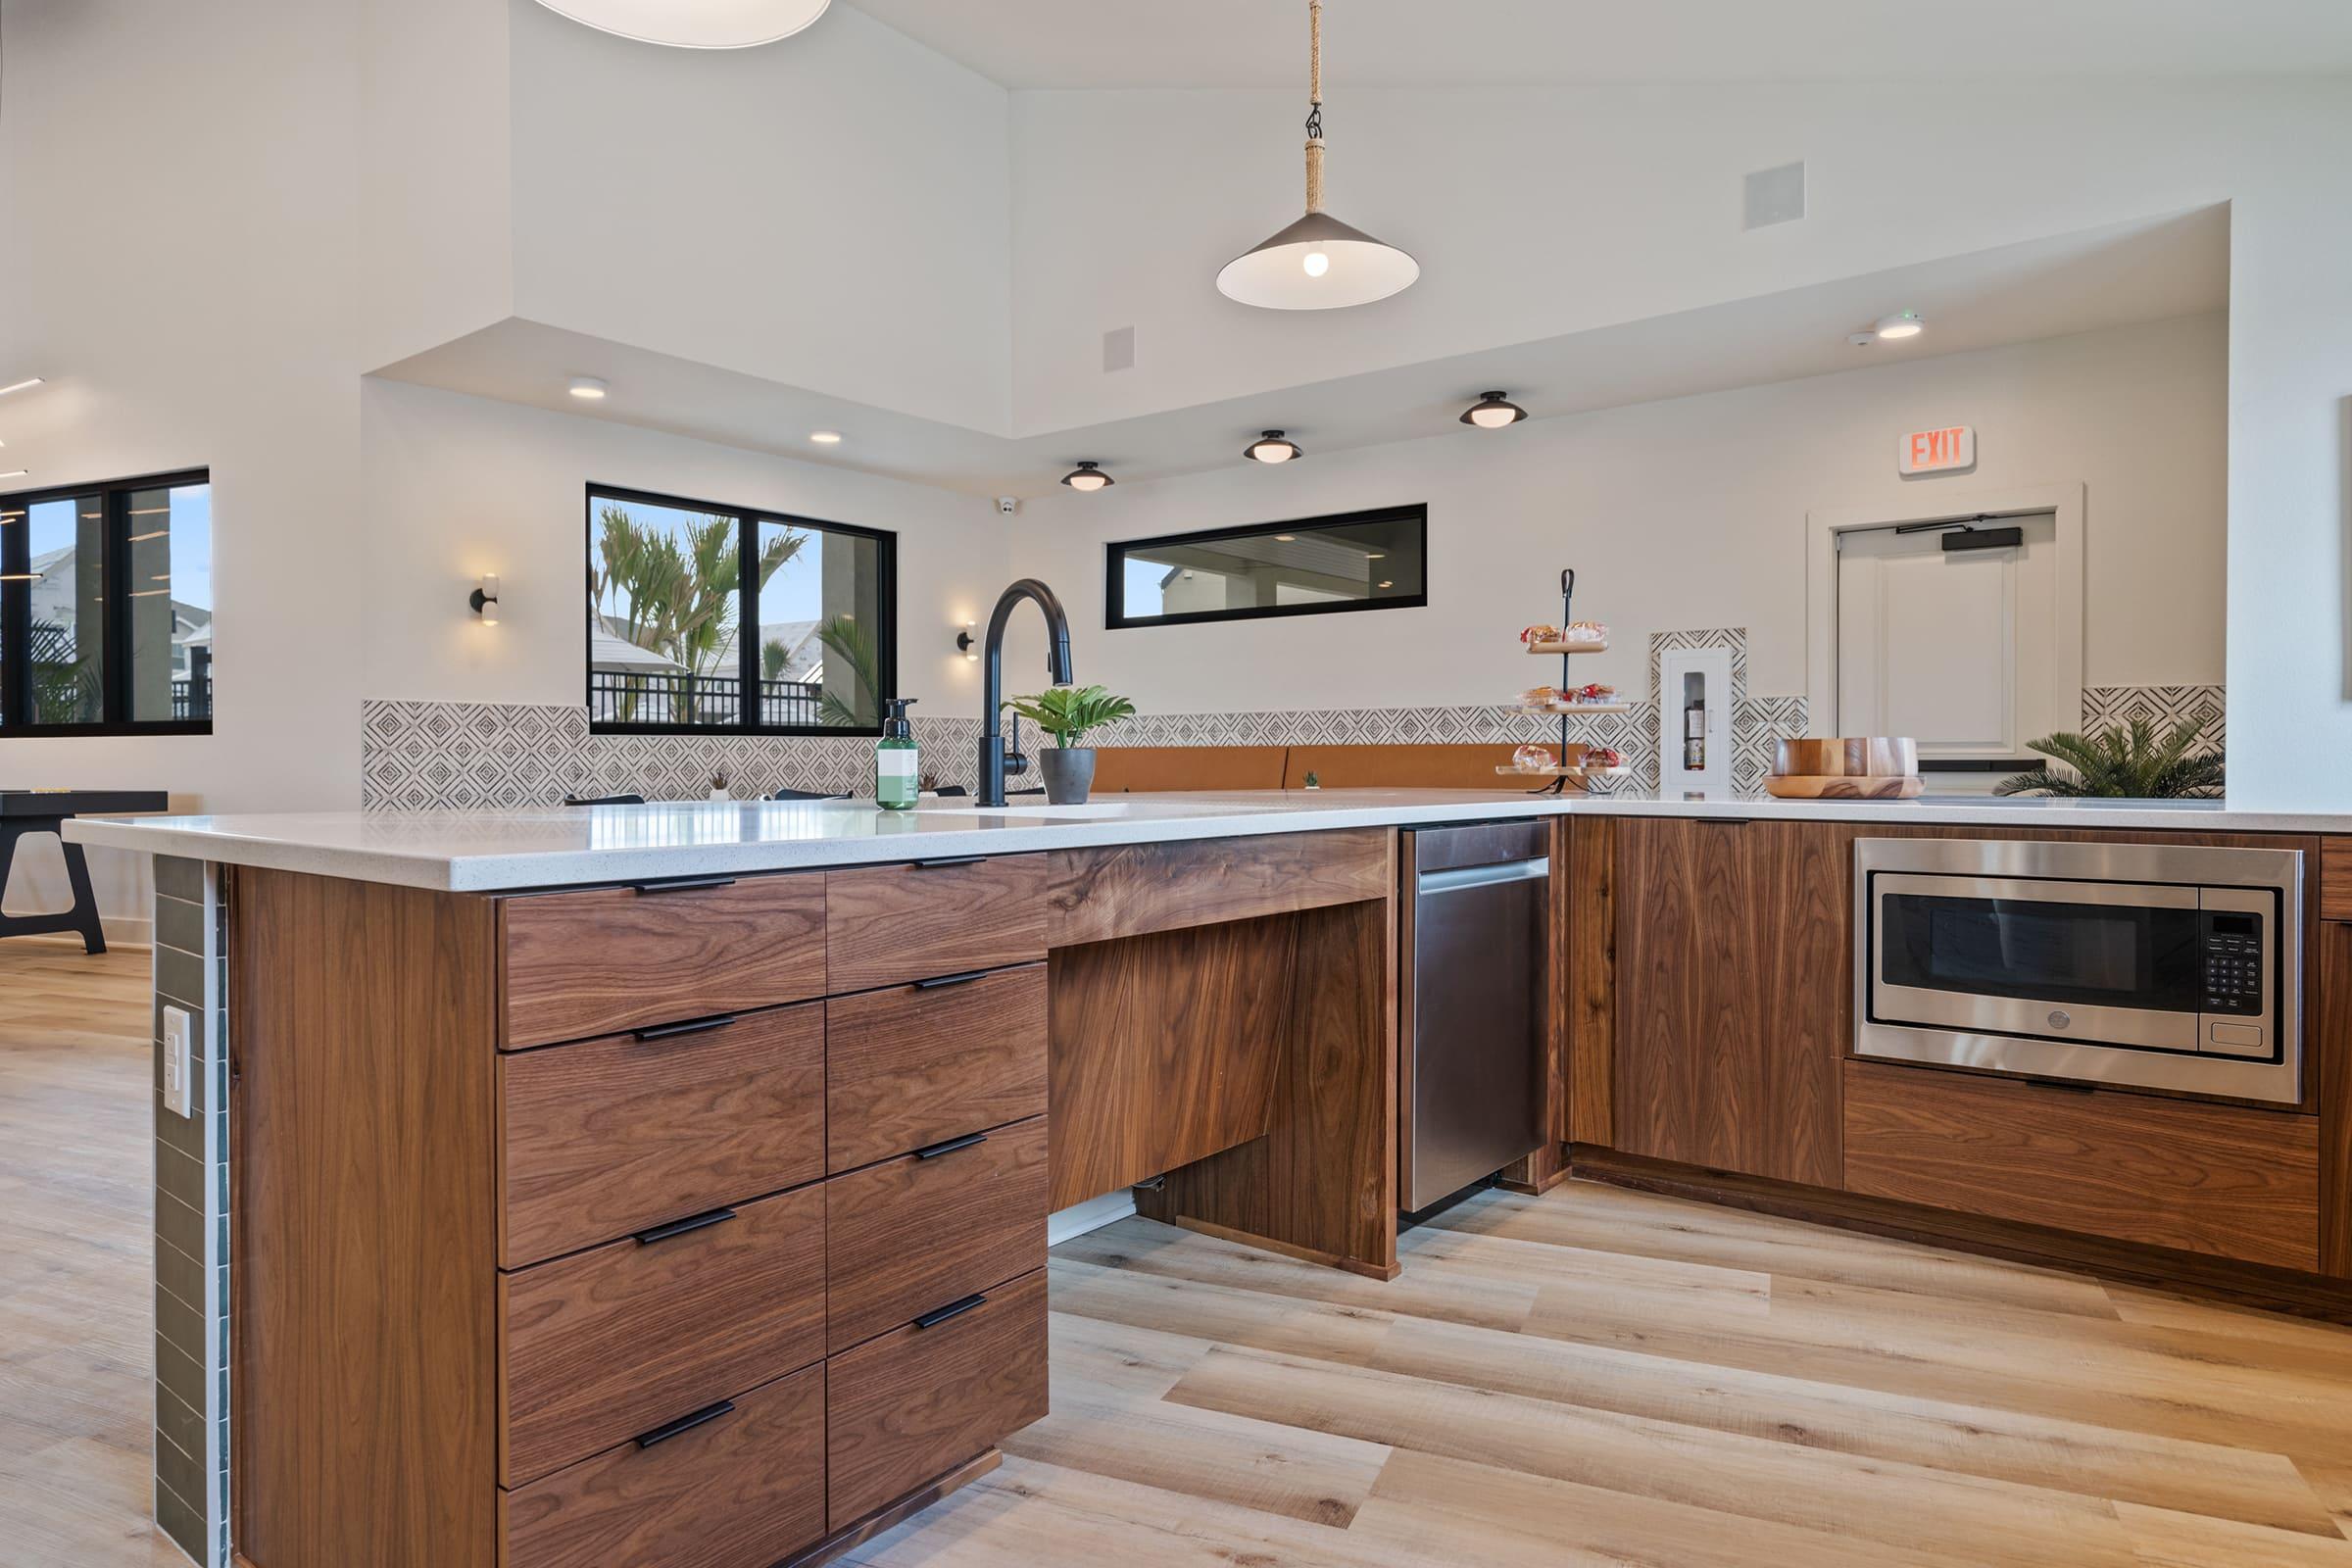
(179, 1071)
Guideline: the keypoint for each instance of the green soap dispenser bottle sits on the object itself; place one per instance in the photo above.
(898, 775)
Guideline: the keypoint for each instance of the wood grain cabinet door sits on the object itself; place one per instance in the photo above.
(1732, 981)
(914, 1065)
(744, 1488)
(608, 1136)
(887, 925)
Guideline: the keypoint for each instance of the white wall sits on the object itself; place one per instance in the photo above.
(1692, 512)
(177, 259)
(456, 486)
(832, 212)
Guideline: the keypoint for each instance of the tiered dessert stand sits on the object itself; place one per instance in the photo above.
(1561, 777)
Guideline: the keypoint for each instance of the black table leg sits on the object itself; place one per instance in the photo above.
(82, 916)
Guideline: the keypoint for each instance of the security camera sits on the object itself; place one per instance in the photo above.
(1008, 504)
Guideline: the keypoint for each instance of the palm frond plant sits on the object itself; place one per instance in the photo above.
(674, 591)
(1067, 713)
(2129, 761)
(854, 646)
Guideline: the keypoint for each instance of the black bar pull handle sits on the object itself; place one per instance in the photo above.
(936, 981)
(685, 1227)
(1724, 821)
(948, 859)
(940, 1314)
(692, 1027)
(684, 884)
(686, 1423)
(2064, 1086)
(934, 1151)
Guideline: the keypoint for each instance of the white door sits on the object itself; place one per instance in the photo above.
(1951, 648)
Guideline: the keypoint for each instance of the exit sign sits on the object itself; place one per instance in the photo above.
(1934, 450)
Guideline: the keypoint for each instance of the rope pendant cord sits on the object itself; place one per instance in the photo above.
(1314, 114)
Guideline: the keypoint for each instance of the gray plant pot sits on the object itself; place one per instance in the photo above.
(1070, 773)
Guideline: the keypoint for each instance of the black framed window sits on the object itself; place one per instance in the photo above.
(673, 587)
(1310, 566)
(105, 608)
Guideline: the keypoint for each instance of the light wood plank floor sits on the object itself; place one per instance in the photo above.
(1591, 1377)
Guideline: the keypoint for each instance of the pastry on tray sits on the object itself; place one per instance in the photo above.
(1540, 633)
(1597, 691)
(1584, 631)
(1534, 759)
(1603, 757)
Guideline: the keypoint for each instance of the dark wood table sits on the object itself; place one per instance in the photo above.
(24, 813)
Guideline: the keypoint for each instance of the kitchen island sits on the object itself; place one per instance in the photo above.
(667, 1184)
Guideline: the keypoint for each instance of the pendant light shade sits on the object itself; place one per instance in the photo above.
(1492, 412)
(1272, 447)
(694, 24)
(1088, 476)
(1318, 263)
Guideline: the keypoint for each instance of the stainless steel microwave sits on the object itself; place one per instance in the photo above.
(2160, 965)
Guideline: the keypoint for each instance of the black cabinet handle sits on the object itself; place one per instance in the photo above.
(948, 860)
(936, 981)
(684, 1227)
(940, 1314)
(2064, 1086)
(684, 884)
(1724, 821)
(692, 1027)
(934, 1151)
(686, 1423)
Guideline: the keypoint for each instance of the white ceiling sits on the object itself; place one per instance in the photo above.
(1263, 43)
(2145, 271)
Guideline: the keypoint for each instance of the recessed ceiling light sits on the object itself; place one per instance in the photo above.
(1492, 412)
(15, 473)
(826, 438)
(1285, 538)
(1902, 325)
(24, 385)
(589, 388)
(694, 24)
(1272, 447)
(1088, 478)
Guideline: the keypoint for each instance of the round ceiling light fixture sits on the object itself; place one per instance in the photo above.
(1318, 263)
(1902, 325)
(589, 388)
(1088, 478)
(694, 24)
(826, 438)
(1272, 446)
(1492, 412)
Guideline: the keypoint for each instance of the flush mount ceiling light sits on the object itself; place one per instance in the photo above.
(1272, 447)
(589, 388)
(1088, 478)
(1318, 263)
(1890, 329)
(826, 438)
(1492, 413)
(694, 24)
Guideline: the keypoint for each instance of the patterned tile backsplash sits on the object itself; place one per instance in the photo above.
(481, 756)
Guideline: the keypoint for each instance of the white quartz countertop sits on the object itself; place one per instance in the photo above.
(553, 846)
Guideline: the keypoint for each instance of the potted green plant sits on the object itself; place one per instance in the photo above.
(1067, 713)
(2132, 763)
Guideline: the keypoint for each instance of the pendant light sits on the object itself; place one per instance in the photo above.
(1492, 413)
(694, 24)
(1272, 447)
(1088, 478)
(1318, 263)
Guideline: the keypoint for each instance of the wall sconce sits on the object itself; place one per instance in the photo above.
(967, 644)
(485, 599)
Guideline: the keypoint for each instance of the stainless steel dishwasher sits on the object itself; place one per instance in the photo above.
(1474, 1025)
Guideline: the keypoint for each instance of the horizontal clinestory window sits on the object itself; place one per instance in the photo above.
(105, 608)
(715, 619)
(1311, 566)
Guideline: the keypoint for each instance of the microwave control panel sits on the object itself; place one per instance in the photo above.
(2233, 962)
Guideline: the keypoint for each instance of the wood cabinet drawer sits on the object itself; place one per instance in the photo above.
(888, 924)
(744, 1489)
(608, 1344)
(917, 1402)
(2218, 1179)
(1132, 890)
(916, 1064)
(2335, 879)
(918, 1233)
(610, 958)
(610, 1136)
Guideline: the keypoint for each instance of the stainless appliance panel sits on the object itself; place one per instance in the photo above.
(2255, 1055)
(1477, 1026)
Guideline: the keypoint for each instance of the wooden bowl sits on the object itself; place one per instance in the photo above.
(1845, 787)
(1849, 757)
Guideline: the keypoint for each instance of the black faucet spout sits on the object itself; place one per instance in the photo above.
(992, 683)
